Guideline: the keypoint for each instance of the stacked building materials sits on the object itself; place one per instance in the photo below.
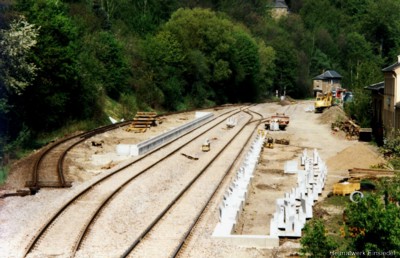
(142, 121)
(296, 206)
(235, 196)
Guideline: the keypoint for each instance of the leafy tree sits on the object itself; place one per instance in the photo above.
(373, 225)
(315, 242)
(197, 51)
(357, 50)
(246, 66)
(267, 68)
(58, 91)
(383, 33)
(112, 70)
(320, 14)
(248, 12)
(17, 72)
(143, 16)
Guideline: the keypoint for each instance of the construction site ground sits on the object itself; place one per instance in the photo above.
(306, 130)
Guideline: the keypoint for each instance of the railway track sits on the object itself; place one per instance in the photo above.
(93, 195)
(185, 211)
(52, 159)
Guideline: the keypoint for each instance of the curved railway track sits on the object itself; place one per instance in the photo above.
(52, 158)
(39, 236)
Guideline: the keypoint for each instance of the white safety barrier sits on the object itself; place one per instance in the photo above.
(296, 206)
(145, 146)
(234, 199)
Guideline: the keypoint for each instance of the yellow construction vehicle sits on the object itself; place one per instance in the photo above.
(323, 101)
(269, 143)
(205, 147)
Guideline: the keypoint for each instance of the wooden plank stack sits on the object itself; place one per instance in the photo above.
(142, 121)
(371, 173)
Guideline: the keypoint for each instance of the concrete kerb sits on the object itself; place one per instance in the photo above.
(296, 206)
(145, 146)
(234, 199)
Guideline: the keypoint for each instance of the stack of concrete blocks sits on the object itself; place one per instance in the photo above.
(235, 196)
(296, 206)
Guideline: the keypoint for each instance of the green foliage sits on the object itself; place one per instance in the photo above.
(395, 162)
(143, 16)
(159, 55)
(112, 68)
(374, 225)
(3, 174)
(384, 33)
(391, 147)
(267, 68)
(360, 108)
(16, 71)
(320, 14)
(315, 242)
(128, 106)
(55, 55)
(197, 52)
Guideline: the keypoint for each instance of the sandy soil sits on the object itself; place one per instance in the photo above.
(306, 130)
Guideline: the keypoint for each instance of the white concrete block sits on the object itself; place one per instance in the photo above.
(123, 149)
(291, 167)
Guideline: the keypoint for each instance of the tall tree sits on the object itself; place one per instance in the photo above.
(17, 72)
(57, 90)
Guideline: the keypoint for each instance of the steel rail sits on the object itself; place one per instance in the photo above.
(186, 237)
(42, 230)
(36, 168)
(35, 186)
(120, 188)
(182, 192)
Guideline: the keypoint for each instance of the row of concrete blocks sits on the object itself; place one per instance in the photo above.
(295, 208)
(235, 196)
(152, 143)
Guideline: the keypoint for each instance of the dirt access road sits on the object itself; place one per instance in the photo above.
(306, 130)
(20, 216)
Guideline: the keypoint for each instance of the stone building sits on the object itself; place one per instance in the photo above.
(391, 98)
(386, 102)
(327, 82)
(279, 9)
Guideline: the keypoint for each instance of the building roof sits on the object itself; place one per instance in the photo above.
(280, 4)
(330, 74)
(391, 68)
(375, 86)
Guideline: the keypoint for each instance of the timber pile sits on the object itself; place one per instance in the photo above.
(282, 141)
(371, 173)
(142, 121)
(351, 129)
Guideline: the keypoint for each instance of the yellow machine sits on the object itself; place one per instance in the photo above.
(205, 147)
(269, 143)
(323, 101)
